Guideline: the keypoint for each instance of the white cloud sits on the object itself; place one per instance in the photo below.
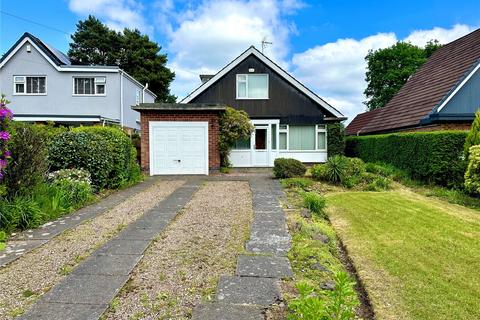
(336, 70)
(117, 14)
(204, 39)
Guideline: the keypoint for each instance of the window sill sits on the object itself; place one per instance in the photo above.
(89, 95)
(252, 98)
(306, 151)
(29, 94)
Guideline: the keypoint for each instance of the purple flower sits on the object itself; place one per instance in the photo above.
(4, 135)
(7, 154)
(5, 113)
(3, 164)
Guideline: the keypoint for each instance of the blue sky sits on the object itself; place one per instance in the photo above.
(322, 43)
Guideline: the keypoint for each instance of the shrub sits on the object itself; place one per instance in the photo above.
(5, 119)
(335, 139)
(336, 169)
(314, 202)
(302, 183)
(234, 125)
(77, 175)
(74, 185)
(29, 159)
(83, 150)
(355, 167)
(473, 136)
(21, 212)
(124, 153)
(387, 170)
(288, 168)
(472, 175)
(432, 157)
(379, 184)
(318, 172)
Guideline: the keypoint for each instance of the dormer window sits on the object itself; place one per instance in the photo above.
(252, 86)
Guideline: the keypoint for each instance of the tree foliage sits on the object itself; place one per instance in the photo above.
(95, 43)
(388, 70)
(234, 126)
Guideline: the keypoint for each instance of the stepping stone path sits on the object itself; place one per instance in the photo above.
(255, 285)
(26, 241)
(87, 291)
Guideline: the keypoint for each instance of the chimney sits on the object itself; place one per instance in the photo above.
(205, 77)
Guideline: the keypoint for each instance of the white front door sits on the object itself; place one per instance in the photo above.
(261, 145)
(178, 147)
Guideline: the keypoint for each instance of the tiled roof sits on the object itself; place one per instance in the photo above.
(359, 122)
(426, 88)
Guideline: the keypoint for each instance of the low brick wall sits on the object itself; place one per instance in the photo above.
(212, 117)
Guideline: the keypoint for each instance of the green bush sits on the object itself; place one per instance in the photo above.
(302, 183)
(21, 213)
(379, 184)
(318, 172)
(335, 139)
(74, 186)
(124, 154)
(355, 167)
(288, 168)
(28, 165)
(314, 202)
(473, 136)
(432, 157)
(472, 175)
(336, 169)
(387, 170)
(83, 150)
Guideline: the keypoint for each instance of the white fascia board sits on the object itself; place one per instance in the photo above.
(58, 68)
(454, 92)
(57, 119)
(272, 65)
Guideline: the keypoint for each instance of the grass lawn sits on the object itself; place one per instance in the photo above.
(418, 257)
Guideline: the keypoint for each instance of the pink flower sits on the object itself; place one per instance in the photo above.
(5, 113)
(3, 164)
(4, 135)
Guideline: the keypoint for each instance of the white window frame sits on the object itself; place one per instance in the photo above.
(318, 128)
(95, 83)
(137, 96)
(285, 130)
(246, 85)
(24, 82)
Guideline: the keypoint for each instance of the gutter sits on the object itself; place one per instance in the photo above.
(143, 92)
(121, 97)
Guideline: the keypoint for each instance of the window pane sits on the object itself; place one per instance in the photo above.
(283, 141)
(101, 89)
(274, 137)
(242, 77)
(19, 88)
(78, 86)
(241, 89)
(89, 86)
(260, 139)
(242, 144)
(41, 86)
(321, 141)
(257, 86)
(29, 85)
(301, 138)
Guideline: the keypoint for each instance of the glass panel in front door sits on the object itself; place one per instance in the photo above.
(260, 139)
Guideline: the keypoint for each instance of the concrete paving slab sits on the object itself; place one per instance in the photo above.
(110, 265)
(263, 266)
(90, 289)
(137, 232)
(117, 246)
(246, 290)
(262, 247)
(222, 311)
(49, 311)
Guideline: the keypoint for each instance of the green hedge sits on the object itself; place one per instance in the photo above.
(433, 157)
(335, 139)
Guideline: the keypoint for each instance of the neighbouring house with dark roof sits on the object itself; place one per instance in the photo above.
(43, 85)
(290, 121)
(443, 94)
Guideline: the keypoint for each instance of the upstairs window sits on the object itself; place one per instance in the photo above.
(252, 86)
(89, 86)
(32, 85)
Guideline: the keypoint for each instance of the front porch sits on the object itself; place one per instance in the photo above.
(271, 140)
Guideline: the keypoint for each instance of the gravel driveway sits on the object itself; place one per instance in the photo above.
(22, 281)
(181, 268)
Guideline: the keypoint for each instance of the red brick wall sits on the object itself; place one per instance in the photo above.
(441, 126)
(213, 132)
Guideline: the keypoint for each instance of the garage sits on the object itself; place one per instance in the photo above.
(180, 139)
(178, 147)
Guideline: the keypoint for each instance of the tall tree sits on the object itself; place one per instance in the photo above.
(388, 69)
(95, 44)
(142, 59)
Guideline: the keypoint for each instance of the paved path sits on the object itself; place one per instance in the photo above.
(87, 291)
(255, 284)
(28, 240)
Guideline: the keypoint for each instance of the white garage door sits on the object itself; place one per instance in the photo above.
(178, 147)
